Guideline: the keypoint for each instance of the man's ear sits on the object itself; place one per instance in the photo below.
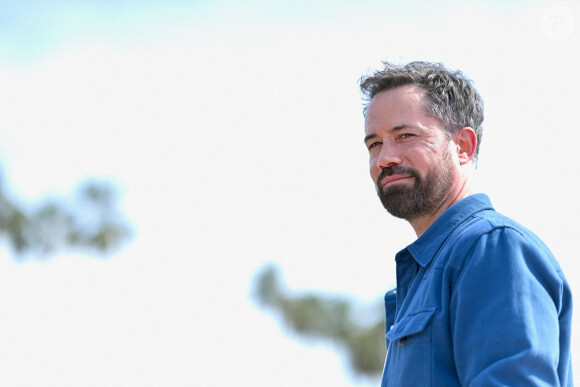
(466, 143)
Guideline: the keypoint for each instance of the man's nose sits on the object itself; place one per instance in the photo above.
(388, 157)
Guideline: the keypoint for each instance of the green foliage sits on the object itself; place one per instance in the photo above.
(333, 318)
(89, 221)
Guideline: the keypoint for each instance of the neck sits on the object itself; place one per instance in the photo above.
(420, 225)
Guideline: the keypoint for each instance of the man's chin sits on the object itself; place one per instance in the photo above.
(397, 204)
(402, 202)
(395, 192)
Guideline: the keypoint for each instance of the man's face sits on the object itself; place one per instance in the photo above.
(411, 157)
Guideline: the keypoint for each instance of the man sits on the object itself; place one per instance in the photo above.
(480, 300)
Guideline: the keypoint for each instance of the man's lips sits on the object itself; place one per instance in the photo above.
(393, 179)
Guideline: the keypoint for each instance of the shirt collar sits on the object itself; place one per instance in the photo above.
(426, 246)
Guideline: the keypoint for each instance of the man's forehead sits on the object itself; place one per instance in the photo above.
(396, 101)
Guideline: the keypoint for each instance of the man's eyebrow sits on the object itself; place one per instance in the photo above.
(368, 137)
(394, 129)
(400, 127)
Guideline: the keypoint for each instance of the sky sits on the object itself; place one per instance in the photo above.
(233, 134)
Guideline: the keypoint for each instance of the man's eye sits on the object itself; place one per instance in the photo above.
(374, 144)
(406, 135)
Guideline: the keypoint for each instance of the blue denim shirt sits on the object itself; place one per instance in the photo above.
(480, 301)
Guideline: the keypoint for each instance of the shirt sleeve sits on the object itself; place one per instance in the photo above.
(504, 313)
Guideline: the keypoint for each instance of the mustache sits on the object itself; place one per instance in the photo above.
(397, 170)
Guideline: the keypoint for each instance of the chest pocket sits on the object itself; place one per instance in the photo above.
(409, 351)
(411, 324)
(390, 311)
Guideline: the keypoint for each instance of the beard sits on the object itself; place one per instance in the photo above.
(423, 197)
